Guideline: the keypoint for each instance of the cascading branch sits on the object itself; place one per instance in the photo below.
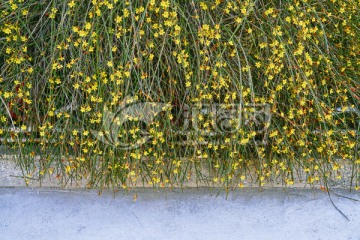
(76, 76)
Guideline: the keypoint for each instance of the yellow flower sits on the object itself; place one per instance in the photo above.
(165, 4)
(88, 26)
(269, 11)
(203, 6)
(151, 57)
(71, 4)
(165, 14)
(118, 19)
(126, 13)
(244, 141)
(273, 134)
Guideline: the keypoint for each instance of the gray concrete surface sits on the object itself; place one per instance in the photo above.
(165, 214)
(12, 176)
(74, 213)
(10, 173)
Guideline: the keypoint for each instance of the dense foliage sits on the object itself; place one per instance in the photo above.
(68, 66)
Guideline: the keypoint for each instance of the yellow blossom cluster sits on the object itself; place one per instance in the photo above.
(269, 89)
